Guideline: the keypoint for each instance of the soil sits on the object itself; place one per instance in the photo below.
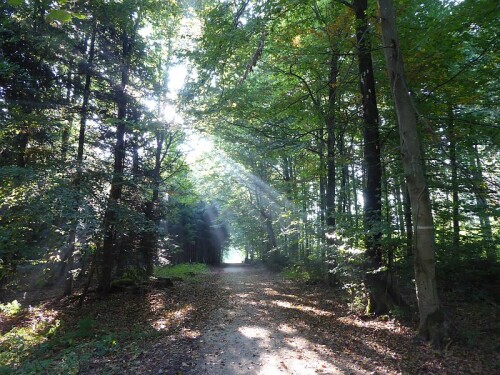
(240, 320)
(261, 330)
(268, 325)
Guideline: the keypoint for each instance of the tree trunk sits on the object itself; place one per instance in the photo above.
(330, 160)
(21, 141)
(376, 281)
(344, 178)
(117, 180)
(289, 178)
(399, 210)
(330, 141)
(408, 218)
(454, 178)
(372, 193)
(432, 322)
(149, 236)
(322, 190)
(481, 193)
(68, 287)
(355, 196)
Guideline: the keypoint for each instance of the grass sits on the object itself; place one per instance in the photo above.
(42, 340)
(10, 308)
(64, 340)
(182, 271)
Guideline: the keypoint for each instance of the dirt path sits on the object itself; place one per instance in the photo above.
(262, 330)
(267, 325)
(236, 321)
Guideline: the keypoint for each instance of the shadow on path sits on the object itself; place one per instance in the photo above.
(268, 326)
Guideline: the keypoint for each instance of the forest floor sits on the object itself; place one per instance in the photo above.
(233, 320)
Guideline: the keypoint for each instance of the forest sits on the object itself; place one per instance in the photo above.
(345, 145)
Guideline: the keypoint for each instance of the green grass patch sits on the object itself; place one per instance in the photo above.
(39, 347)
(10, 308)
(182, 271)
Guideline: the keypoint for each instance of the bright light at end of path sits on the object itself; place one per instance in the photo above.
(233, 256)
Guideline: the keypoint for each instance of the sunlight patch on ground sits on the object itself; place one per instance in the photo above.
(254, 332)
(285, 328)
(244, 295)
(271, 292)
(294, 355)
(24, 331)
(190, 334)
(375, 325)
(156, 301)
(309, 309)
(172, 317)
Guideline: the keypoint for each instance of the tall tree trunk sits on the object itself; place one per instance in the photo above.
(481, 193)
(454, 178)
(330, 160)
(344, 178)
(355, 195)
(149, 236)
(372, 193)
(21, 142)
(288, 177)
(322, 190)
(382, 296)
(68, 285)
(432, 322)
(330, 141)
(408, 218)
(399, 210)
(117, 180)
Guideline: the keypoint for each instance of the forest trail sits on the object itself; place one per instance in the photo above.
(271, 326)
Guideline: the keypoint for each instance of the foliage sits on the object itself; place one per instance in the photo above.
(183, 270)
(92, 151)
(10, 308)
(310, 272)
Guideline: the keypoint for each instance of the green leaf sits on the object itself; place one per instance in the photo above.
(59, 15)
(79, 16)
(15, 3)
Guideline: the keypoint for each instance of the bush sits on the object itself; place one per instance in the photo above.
(309, 273)
(276, 261)
(181, 271)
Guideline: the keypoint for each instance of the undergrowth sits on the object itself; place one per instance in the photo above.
(58, 338)
(182, 271)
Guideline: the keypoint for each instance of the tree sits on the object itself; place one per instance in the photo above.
(432, 322)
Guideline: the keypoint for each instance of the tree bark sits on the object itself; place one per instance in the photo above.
(117, 180)
(454, 178)
(68, 286)
(289, 178)
(481, 193)
(149, 236)
(432, 322)
(330, 141)
(408, 218)
(21, 142)
(399, 210)
(372, 194)
(382, 296)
